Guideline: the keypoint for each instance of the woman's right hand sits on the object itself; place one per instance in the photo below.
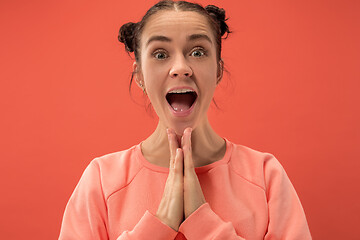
(171, 207)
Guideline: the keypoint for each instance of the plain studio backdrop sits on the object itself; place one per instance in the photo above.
(292, 90)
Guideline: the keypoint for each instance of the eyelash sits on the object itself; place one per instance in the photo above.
(203, 51)
(161, 51)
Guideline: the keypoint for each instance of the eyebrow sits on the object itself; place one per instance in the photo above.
(192, 37)
(158, 38)
(199, 36)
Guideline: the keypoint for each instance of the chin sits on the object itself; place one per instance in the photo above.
(179, 125)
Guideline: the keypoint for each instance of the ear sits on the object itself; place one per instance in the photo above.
(220, 71)
(138, 76)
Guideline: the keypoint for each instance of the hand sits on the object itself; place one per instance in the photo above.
(193, 194)
(171, 207)
(182, 194)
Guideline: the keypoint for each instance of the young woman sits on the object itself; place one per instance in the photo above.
(184, 181)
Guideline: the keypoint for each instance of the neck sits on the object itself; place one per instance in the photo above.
(207, 146)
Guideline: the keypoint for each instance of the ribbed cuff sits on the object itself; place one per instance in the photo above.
(204, 223)
(151, 226)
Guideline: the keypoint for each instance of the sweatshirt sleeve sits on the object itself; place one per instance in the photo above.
(85, 215)
(205, 224)
(286, 216)
(149, 225)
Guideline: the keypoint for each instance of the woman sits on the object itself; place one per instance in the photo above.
(184, 181)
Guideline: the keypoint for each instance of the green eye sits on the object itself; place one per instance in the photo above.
(198, 53)
(160, 55)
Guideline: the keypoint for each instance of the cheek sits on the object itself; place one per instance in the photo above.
(208, 75)
(153, 75)
(154, 79)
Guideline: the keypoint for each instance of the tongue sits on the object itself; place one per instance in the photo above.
(181, 102)
(180, 107)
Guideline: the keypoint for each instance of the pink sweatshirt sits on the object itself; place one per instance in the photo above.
(248, 194)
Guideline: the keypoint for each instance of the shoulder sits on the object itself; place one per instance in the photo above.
(116, 169)
(253, 165)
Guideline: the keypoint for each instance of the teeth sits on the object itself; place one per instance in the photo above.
(181, 91)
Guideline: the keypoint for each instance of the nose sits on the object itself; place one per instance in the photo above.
(180, 68)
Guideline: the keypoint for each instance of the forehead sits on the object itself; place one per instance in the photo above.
(169, 22)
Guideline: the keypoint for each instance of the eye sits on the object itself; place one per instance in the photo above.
(160, 55)
(198, 53)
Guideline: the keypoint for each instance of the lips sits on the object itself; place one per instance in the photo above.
(181, 99)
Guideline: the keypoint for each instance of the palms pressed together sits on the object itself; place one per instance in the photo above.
(182, 193)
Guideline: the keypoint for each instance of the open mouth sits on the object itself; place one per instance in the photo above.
(181, 100)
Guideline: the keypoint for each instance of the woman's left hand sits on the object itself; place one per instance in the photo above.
(193, 194)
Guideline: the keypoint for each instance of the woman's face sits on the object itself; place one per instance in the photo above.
(178, 67)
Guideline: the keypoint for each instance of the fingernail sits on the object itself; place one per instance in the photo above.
(189, 130)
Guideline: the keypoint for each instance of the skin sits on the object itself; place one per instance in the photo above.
(173, 59)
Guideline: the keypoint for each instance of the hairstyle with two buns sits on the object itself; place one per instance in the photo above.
(130, 33)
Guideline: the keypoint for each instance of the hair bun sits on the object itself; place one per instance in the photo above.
(218, 14)
(127, 35)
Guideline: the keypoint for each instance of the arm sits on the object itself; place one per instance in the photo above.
(204, 223)
(149, 225)
(286, 216)
(85, 215)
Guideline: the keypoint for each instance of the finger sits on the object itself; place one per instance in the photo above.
(172, 145)
(186, 146)
(175, 172)
(179, 163)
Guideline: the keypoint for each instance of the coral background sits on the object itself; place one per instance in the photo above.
(292, 90)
